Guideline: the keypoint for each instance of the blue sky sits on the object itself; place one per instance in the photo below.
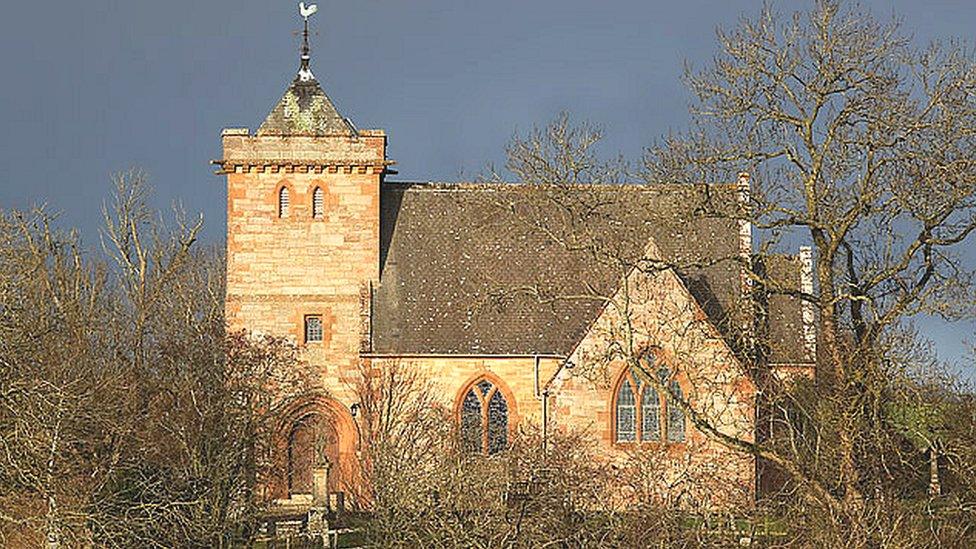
(90, 88)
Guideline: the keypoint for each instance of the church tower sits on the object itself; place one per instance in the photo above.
(303, 239)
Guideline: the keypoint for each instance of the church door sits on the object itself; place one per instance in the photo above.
(313, 442)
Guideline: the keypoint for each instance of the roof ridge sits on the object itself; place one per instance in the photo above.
(472, 185)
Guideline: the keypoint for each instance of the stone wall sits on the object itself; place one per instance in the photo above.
(657, 315)
(517, 377)
(280, 269)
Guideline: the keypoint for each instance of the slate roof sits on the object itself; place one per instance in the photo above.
(305, 110)
(454, 257)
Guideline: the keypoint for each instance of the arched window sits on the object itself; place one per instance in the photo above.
(642, 412)
(484, 419)
(676, 417)
(283, 202)
(318, 201)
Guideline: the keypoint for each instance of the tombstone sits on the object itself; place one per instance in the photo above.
(337, 501)
(318, 522)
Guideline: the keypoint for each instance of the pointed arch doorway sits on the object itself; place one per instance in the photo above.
(317, 432)
(312, 443)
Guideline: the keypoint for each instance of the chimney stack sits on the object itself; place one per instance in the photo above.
(745, 244)
(807, 310)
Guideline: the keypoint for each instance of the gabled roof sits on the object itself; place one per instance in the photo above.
(305, 110)
(464, 271)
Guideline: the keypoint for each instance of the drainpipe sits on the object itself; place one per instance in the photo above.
(538, 373)
(545, 421)
(543, 396)
(542, 391)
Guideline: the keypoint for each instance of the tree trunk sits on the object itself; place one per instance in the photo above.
(836, 377)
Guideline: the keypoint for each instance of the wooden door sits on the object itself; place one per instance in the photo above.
(312, 443)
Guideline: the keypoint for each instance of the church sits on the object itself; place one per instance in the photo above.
(519, 323)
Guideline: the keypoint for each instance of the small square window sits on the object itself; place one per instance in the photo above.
(313, 329)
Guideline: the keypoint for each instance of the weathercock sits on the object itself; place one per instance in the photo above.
(307, 11)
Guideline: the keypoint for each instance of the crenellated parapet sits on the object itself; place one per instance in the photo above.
(362, 153)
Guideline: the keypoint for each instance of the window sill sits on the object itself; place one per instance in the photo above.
(658, 445)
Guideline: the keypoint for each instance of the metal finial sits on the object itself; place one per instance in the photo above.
(305, 73)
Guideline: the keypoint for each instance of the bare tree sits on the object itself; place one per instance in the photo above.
(130, 416)
(857, 142)
(861, 143)
(63, 399)
(208, 402)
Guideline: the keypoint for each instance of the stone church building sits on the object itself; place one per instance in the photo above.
(515, 324)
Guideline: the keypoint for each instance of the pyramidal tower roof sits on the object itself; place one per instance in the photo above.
(305, 109)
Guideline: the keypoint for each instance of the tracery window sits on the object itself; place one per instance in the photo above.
(484, 419)
(284, 201)
(644, 414)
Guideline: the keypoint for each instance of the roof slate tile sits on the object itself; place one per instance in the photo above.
(305, 110)
(522, 269)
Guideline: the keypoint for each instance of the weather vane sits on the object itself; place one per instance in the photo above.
(307, 11)
(305, 73)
